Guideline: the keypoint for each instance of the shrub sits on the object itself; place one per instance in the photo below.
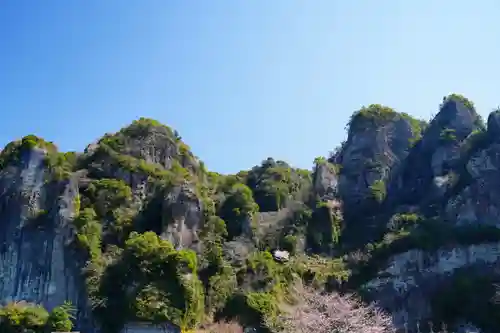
(460, 98)
(25, 317)
(323, 229)
(289, 243)
(220, 288)
(448, 135)
(164, 283)
(375, 114)
(273, 183)
(378, 190)
(379, 115)
(238, 206)
(108, 194)
(88, 233)
(400, 220)
(60, 319)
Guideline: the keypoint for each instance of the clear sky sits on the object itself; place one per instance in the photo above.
(240, 80)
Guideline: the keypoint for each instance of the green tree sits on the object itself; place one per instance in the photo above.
(213, 234)
(274, 182)
(20, 316)
(237, 208)
(60, 319)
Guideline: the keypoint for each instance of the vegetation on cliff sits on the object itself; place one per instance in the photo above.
(25, 317)
(376, 115)
(161, 239)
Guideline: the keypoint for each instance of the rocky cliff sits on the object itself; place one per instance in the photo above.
(404, 213)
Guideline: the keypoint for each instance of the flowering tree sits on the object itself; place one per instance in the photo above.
(223, 327)
(335, 313)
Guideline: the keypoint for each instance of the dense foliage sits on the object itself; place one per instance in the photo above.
(273, 183)
(24, 317)
(378, 115)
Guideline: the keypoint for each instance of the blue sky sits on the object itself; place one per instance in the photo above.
(240, 80)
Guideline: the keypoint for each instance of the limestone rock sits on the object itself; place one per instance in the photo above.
(325, 180)
(37, 263)
(182, 216)
(370, 155)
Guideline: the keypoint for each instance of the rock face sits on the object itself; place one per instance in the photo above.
(183, 216)
(478, 202)
(39, 258)
(371, 152)
(451, 173)
(154, 143)
(37, 263)
(325, 180)
(425, 173)
(494, 124)
(412, 278)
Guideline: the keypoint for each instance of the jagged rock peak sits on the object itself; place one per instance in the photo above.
(27, 143)
(494, 124)
(325, 178)
(379, 139)
(150, 140)
(59, 164)
(458, 98)
(456, 119)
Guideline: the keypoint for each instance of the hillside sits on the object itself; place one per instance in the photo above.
(136, 229)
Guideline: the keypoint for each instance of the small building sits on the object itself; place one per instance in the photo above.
(281, 255)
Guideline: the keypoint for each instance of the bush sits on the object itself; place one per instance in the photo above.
(60, 319)
(375, 114)
(323, 229)
(459, 98)
(164, 283)
(378, 190)
(221, 287)
(289, 243)
(448, 135)
(88, 233)
(403, 220)
(108, 194)
(262, 271)
(379, 115)
(273, 183)
(237, 208)
(26, 317)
